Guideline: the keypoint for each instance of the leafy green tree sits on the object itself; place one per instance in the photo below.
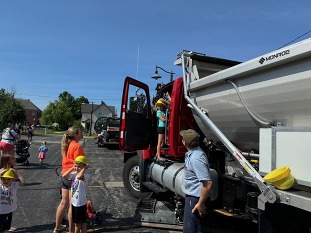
(48, 117)
(68, 100)
(66, 111)
(73, 104)
(57, 112)
(142, 104)
(133, 104)
(139, 103)
(77, 107)
(64, 115)
(11, 109)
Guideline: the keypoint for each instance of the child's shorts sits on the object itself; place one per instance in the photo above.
(66, 183)
(41, 155)
(161, 130)
(79, 214)
(5, 221)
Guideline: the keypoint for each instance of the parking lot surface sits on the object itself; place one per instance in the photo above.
(39, 198)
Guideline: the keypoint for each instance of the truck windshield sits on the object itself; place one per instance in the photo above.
(114, 123)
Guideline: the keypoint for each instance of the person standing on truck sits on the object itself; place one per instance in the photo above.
(197, 182)
(161, 117)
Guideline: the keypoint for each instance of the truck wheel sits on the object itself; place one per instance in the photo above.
(131, 178)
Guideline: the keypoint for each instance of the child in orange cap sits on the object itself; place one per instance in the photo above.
(8, 197)
(80, 179)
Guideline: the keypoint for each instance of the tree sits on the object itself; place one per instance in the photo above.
(65, 111)
(11, 109)
(57, 112)
(77, 107)
(64, 115)
(139, 103)
(73, 104)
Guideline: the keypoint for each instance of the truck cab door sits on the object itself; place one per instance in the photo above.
(136, 116)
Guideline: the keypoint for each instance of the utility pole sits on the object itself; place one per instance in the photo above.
(91, 122)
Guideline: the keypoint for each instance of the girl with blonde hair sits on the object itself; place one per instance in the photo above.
(43, 149)
(161, 105)
(70, 150)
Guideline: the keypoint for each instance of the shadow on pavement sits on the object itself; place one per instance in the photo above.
(38, 228)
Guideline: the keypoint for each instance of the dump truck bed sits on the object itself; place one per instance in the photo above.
(240, 98)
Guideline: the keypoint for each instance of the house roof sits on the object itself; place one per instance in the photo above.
(87, 108)
(28, 105)
(112, 109)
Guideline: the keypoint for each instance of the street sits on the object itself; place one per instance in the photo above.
(39, 198)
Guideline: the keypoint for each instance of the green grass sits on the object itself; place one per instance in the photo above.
(52, 131)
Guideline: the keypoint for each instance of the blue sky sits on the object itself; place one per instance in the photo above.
(87, 48)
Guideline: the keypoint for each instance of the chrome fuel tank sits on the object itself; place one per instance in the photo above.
(171, 177)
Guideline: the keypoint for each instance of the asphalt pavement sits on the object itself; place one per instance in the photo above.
(39, 198)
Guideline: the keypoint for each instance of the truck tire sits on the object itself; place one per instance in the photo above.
(131, 178)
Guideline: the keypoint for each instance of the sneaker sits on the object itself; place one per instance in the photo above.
(161, 159)
(59, 230)
(12, 229)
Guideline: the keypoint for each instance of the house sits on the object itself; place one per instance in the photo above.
(33, 113)
(92, 112)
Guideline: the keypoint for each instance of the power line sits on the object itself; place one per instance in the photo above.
(42, 96)
(54, 97)
(295, 39)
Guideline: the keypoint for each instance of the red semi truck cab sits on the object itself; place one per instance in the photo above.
(138, 126)
(142, 175)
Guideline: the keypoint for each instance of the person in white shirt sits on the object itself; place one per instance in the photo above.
(7, 140)
(8, 196)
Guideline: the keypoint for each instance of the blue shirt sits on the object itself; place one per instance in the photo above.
(196, 169)
(160, 123)
(43, 149)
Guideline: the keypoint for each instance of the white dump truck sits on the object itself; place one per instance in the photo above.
(254, 119)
